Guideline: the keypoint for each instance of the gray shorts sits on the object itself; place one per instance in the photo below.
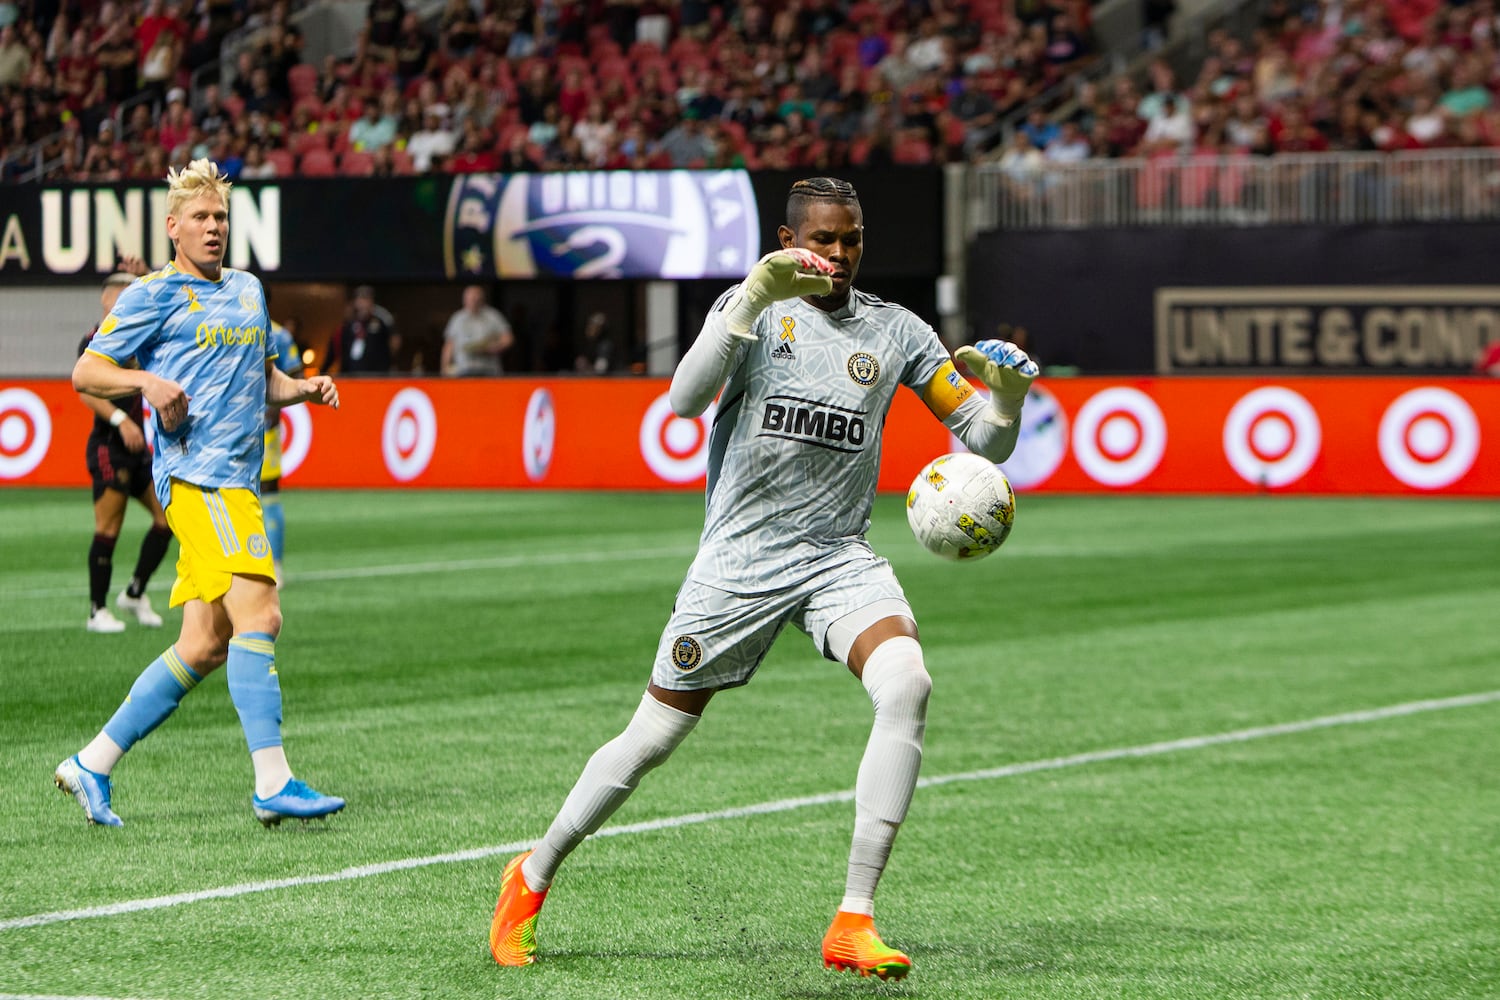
(716, 639)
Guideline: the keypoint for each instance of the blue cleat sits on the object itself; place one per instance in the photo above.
(89, 789)
(295, 801)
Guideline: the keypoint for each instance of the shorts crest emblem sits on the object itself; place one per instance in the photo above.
(686, 653)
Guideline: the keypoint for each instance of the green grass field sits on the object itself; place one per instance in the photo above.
(1177, 748)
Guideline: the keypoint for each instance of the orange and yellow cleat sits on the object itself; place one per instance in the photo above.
(852, 944)
(513, 929)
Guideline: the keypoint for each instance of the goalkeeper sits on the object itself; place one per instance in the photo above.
(808, 367)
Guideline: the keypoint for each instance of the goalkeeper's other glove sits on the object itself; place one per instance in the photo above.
(781, 274)
(1004, 368)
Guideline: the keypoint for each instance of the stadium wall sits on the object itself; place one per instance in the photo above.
(1182, 434)
(1360, 299)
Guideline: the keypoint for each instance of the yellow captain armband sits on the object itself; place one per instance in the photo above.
(946, 391)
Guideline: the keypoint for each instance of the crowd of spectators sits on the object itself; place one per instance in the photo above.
(508, 85)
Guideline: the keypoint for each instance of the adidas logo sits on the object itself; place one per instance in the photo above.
(783, 353)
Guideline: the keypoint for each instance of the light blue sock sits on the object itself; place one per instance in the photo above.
(270, 505)
(154, 696)
(255, 689)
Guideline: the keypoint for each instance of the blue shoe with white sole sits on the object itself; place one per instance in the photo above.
(295, 801)
(89, 789)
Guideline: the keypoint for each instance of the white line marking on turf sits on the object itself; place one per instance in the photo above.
(517, 561)
(766, 808)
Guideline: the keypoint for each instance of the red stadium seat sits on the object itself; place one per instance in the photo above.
(402, 163)
(302, 80)
(357, 163)
(301, 142)
(317, 163)
(283, 160)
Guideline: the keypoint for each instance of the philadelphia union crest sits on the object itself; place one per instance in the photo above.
(602, 224)
(864, 369)
(686, 653)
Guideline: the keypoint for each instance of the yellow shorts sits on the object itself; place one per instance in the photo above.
(270, 466)
(220, 533)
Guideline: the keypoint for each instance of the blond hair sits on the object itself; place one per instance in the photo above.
(200, 177)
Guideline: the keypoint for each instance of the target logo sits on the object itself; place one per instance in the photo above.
(675, 448)
(1119, 436)
(409, 434)
(25, 432)
(539, 435)
(296, 437)
(1272, 436)
(1429, 438)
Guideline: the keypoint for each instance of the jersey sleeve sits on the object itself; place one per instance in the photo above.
(930, 372)
(132, 325)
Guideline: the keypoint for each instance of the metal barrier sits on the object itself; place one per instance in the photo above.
(1461, 185)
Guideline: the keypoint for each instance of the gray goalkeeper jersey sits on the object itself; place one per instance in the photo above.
(795, 449)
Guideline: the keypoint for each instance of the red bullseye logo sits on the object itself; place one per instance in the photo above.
(1272, 436)
(675, 448)
(1429, 438)
(25, 432)
(1119, 436)
(296, 437)
(409, 434)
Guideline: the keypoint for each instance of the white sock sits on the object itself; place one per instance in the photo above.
(606, 782)
(898, 685)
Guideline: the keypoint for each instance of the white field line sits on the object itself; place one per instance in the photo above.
(765, 808)
(420, 568)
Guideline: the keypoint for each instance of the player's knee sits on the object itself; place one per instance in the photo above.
(897, 679)
(203, 654)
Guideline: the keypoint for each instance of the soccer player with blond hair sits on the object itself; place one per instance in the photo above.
(199, 332)
(808, 367)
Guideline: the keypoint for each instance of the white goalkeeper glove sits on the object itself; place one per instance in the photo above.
(781, 274)
(1004, 368)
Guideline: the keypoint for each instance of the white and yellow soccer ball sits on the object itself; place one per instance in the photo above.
(960, 506)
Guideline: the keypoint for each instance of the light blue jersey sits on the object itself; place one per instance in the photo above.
(211, 338)
(284, 355)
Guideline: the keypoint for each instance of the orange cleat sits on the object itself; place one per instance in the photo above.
(852, 944)
(513, 929)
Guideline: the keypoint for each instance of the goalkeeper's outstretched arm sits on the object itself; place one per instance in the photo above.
(1007, 372)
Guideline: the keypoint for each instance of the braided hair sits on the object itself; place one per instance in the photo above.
(805, 192)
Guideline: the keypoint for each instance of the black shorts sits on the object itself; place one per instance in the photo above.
(112, 466)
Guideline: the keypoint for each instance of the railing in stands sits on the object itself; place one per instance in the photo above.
(1461, 185)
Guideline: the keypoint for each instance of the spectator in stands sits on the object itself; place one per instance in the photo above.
(414, 51)
(367, 342)
(685, 145)
(383, 21)
(459, 29)
(431, 146)
(15, 57)
(1070, 146)
(176, 126)
(475, 155)
(475, 337)
(256, 166)
(373, 130)
(1172, 130)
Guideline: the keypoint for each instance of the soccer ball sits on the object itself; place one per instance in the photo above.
(960, 506)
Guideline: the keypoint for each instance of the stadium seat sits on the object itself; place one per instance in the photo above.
(317, 162)
(302, 142)
(357, 163)
(302, 80)
(283, 160)
(402, 163)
